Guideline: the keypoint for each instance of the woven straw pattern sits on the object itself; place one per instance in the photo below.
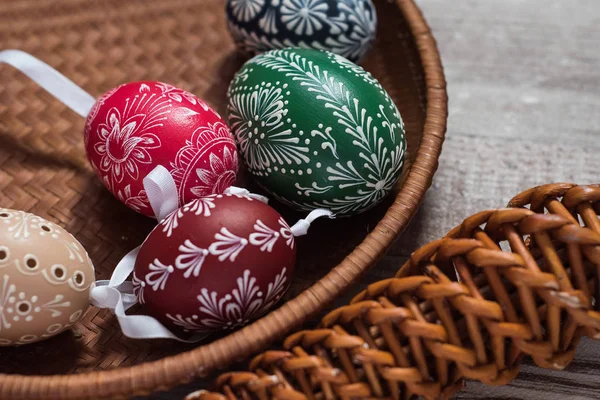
(43, 169)
(504, 284)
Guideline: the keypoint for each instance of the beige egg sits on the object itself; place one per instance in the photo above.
(45, 278)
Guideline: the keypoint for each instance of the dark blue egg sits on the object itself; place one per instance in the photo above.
(345, 27)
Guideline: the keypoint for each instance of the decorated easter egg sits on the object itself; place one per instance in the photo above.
(45, 278)
(216, 263)
(138, 126)
(316, 130)
(345, 27)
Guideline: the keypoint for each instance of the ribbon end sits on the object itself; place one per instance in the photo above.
(301, 227)
(237, 191)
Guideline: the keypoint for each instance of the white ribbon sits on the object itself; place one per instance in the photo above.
(300, 228)
(100, 295)
(50, 79)
(124, 268)
(119, 299)
(162, 192)
(245, 192)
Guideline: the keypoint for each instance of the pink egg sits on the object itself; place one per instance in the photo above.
(217, 263)
(137, 126)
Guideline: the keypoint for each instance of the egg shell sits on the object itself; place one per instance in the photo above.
(216, 263)
(45, 278)
(345, 27)
(316, 130)
(137, 126)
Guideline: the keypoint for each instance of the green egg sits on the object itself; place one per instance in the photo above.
(316, 130)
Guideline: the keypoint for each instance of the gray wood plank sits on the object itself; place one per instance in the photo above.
(519, 69)
(578, 381)
(482, 172)
(524, 87)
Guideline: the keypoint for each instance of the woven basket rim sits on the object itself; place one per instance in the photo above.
(181, 368)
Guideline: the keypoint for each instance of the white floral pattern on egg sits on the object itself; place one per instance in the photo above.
(45, 278)
(344, 27)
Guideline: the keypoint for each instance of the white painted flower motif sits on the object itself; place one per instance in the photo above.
(138, 288)
(122, 147)
(6, 293)
(157, 279)
(358, 42)
(191, 259)
(136, 203)
(247, 298)
(19, 223)
(227, 245)
(246, 10)
(286, 233)
(382, 174)
(219, 177)
(258, 121)
(54, 305)
(275, 290)
(245, 303)
(350, 27)
(253, 43)
(221, 171)
(188, 324)
(74, 250)
(358, 71)
(171, 222)
(304, 17)
(201, 206)
(268, 22)
(235, 309)
(215, 308)
(94, 112)
(264, 236)
(176, 94)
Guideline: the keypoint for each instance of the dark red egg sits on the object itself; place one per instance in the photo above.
(137, 126)
(217, 263)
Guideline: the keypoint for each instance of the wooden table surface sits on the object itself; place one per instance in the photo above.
(524, 86)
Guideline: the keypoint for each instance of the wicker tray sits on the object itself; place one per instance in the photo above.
(43, 169)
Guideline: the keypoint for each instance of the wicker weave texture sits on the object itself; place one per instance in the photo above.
(504, 284)
(43, 169)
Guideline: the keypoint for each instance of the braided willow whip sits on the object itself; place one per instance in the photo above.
(506, 283)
